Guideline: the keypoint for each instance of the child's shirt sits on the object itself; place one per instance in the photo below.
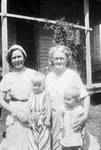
(68, 136)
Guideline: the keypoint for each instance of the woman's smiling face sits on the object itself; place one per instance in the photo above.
(17, 60)
(59, 60)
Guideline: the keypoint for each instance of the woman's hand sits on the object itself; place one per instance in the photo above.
(78, 123)
(22, 116)
(48, 124)
(81, 120)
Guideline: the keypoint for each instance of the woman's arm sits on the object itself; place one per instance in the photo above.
(86, 100)
(86, 105)
(4, 104)
(81, 120)
(61, 118)
(20, 115)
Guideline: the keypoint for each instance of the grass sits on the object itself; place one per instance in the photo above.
(93, 123)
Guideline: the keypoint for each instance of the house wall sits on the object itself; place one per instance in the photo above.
(71, 10)
(95, 43)
(45, 42)
(54, 10)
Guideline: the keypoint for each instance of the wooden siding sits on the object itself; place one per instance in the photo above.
(96, 55)
(45, 42)
(71, 10)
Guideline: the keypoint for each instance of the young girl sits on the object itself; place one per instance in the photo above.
(70, 111)
(39, 114)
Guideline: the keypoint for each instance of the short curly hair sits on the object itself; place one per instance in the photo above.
(59, 48)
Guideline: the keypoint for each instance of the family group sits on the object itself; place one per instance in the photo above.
(45, 112)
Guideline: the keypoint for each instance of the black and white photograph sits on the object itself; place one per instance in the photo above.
(50, 75)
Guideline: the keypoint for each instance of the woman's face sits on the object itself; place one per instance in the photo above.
(59, 60)
(17, 60)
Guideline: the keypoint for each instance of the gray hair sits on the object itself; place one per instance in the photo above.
(59, 48)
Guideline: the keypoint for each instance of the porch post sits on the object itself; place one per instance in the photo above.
(4, 35)
(88, 53)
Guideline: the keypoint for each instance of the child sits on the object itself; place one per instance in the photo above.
(39, 114)
(70, 111)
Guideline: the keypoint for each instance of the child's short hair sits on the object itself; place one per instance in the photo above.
(38, 77)
(72, 91)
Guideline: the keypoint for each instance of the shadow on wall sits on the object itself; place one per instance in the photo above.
(96, 99)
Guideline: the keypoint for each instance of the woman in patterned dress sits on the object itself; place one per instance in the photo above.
(39, 114)
(17, 85)
(57, 80)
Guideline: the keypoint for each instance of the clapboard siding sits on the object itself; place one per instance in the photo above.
(45, 42)
(71, 10)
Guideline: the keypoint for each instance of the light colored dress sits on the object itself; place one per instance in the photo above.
(39, 136)
(55, 86)
(18, 86)
(74, 137)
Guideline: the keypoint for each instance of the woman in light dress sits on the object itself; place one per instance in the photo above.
(17, 85)
(57, 80)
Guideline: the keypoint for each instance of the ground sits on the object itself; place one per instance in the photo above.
(2, 129)
(94, 122)
(2, 124)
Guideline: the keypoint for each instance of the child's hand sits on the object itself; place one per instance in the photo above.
(48, 125)
(22, 116)
(47, 122)
(62, 126)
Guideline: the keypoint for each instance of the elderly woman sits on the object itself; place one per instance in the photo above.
(17, 85)
(57, 80)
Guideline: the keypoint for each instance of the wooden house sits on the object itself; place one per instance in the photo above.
(22, 22)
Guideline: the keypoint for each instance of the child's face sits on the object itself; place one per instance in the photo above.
(70, 101)
(38, 87)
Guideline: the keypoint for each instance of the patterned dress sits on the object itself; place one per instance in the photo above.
(39, 136)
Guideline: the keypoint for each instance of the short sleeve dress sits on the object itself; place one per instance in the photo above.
(17, 86)
(55, 86)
